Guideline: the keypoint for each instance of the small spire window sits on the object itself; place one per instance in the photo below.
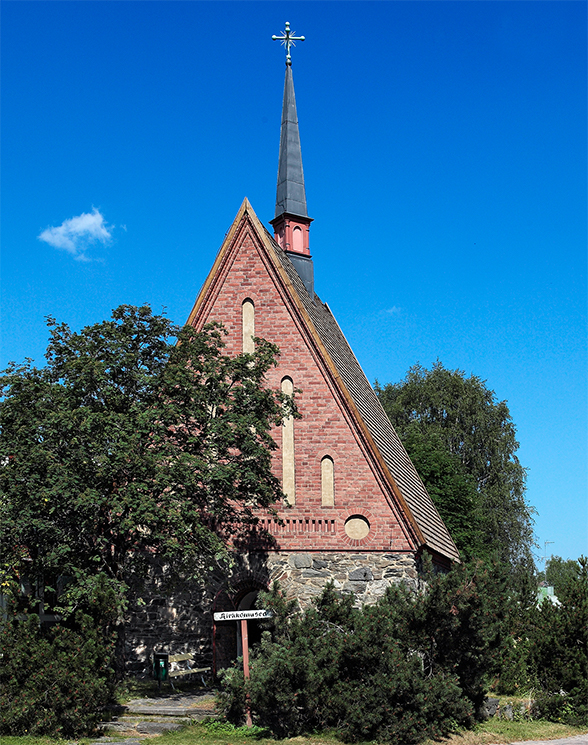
(297, 239)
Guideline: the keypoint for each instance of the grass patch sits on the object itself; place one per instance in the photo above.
(218, 733)
(504, 731)
(29, 740)
(493, 731)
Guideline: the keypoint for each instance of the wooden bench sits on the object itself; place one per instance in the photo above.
(162, 667)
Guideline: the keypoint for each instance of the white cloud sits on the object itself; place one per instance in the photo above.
(79, 233)
(393, 310)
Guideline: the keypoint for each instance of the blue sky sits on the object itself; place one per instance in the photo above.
(444, 148)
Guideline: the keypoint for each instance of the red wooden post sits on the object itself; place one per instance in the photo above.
(243, 615)
(245, 645)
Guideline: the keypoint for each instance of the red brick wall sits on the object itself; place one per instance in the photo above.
(326, 427)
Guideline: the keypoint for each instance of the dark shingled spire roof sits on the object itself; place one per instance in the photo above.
(290, 196)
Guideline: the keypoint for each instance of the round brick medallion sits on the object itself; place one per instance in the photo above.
(357, 527)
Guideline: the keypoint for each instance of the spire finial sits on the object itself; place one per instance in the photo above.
(288, 40)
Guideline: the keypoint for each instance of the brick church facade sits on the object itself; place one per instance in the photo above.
(357, 512)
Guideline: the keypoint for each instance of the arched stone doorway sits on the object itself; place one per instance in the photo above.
(227, 642)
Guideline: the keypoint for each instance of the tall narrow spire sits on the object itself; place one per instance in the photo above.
(291, 222)
(290, 195)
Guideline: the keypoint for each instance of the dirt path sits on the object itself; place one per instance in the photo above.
(575, 740)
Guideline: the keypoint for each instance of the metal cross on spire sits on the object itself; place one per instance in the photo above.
(288, 40)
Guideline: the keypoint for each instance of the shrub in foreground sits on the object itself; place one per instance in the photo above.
(53, 681)
(405, 669)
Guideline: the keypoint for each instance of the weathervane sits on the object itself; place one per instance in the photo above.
(288, 40)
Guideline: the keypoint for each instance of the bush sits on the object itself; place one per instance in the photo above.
(53, 681)
(458, 625)
(405, 669)
(559, 652)
(567, 708)
(289, 671)
(515, 676)
(383, 691)
(224, 729)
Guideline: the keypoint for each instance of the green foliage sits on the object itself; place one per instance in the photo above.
(464, 442)
(407, 668)
(546, 650)
(559, 573)
(230, 700)
(386, 690)
(458, 625)
(53, 681)
(216, 727)
(516, 674)
(128, 445)
(559, 651)
(451, 488)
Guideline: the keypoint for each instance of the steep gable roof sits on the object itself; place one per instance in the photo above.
(370, 418)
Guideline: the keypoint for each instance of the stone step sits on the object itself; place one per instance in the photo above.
(132, 730)
(170, 711)
(147, 717)
(142, 727)
(178, 705)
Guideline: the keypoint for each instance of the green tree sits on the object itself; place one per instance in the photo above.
(559, 650)
(136, 439)
(451, 488)
(480, 489)
(560, 572)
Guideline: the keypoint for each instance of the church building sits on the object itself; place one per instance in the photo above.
(356, 512)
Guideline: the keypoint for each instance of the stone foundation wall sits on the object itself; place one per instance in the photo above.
(169, 619)
(367, 576)
(180, 620)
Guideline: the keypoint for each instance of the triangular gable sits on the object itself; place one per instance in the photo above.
(392, 468)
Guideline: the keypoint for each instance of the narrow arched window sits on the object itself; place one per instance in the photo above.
(327, 482)
(248, 326)
(288, 475)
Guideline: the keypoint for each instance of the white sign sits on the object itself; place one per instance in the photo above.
(241, 615)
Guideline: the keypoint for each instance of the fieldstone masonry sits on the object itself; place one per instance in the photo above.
(367, 576)
(170, 618)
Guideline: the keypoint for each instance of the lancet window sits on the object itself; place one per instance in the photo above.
(248, 313)
(327, 481)
(288, 471)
